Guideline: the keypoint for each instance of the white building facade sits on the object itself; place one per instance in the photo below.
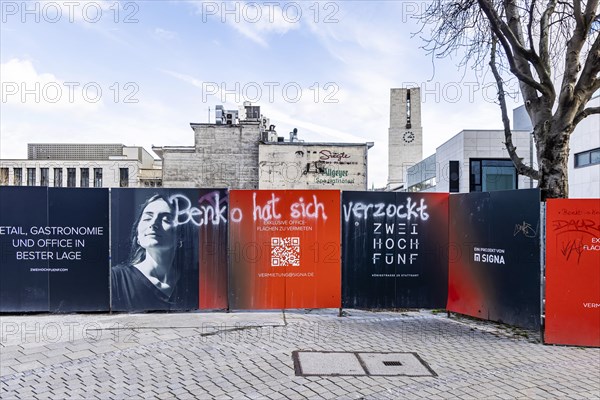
(472, 161)
(584, 157)
(477, 160)
(82, 165)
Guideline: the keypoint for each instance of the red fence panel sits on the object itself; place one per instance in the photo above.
(573, 272)
(284, 249)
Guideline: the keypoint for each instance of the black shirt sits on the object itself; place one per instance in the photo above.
(132, 291)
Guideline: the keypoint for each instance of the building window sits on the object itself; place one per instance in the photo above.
(98, 177)
(44, 177)
(590, 157)
(85, 177)
(58, 177)
(419, 187)
(3, 176)
(71, 177)
(18, 176)
(30, 176)
(123, 177)
(488, 175)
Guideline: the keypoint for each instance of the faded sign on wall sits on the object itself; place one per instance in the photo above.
(293, 165)
(284, 249)
(394, 249)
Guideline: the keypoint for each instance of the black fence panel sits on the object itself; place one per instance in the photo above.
(394, 250)
(494, 268)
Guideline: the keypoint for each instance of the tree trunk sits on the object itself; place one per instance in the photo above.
(553, 160)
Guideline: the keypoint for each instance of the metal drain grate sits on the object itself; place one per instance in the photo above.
(331, 363)
(392, 363)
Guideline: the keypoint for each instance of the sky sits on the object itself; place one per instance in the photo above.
(139, 72)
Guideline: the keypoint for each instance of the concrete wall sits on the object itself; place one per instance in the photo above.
(584, 182)
(312, 166)
(477, 144)
(223, 156)
(521, 121)
(402, 153)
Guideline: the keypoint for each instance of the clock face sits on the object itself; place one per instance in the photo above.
(408, 137)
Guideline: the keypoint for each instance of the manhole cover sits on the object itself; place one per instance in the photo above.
(331, 363)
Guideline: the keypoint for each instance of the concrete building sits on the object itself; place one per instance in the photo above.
(242, 150)
(223, 155)
(405, 135)
(82, 165)
(477, 160)
(472, 161)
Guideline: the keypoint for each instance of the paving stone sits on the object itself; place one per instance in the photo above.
(472, 359)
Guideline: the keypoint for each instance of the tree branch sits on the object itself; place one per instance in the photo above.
(521, 168)
(530, 25)
(519, 58)
(544, 22)
(577, 12)
(589, 82)
(570, 85)
(585, 113)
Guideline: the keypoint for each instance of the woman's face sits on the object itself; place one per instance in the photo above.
(156, 228)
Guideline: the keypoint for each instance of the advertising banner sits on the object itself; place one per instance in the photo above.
(494, 256)
(154, 250)
(284, 249)
(54, 244)
(573, 272)
(394, 250)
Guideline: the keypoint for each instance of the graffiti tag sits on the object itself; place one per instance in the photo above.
(577, 225)
(525, 228)
(572, 248)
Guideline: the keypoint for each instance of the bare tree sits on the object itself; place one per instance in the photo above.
(551, 47)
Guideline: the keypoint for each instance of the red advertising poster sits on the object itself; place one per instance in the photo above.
(284, 249)
(573, 272)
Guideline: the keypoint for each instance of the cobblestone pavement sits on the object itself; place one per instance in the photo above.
(249, 355)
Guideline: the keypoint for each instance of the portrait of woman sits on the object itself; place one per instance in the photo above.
(161, 270)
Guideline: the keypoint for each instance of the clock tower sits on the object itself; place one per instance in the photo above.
(405, 135)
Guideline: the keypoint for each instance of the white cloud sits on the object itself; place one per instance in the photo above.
(23, 86)
(163, 34)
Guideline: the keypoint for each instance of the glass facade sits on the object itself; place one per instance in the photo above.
(590, 157)
(58, 177)
(71, 177)
(123, 177)
(97, 177)
(3, 176)
(488, 175)
(30, 176)
(18, 176)
(44, 177)
(84, 177)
